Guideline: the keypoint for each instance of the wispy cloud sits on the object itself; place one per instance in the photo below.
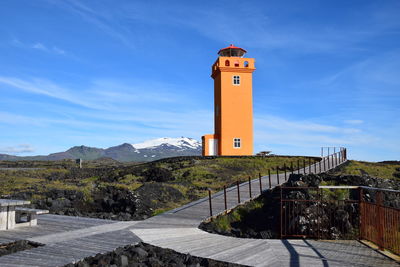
(102, 18)
(354, 121)
(39, 46)
(278, 132)
(257, 27)
(46, 88)
(136, 107)
(221, 22)
(279, 123)
(369, 85)
(16, 119)
(44, 48)
(18, 149)
(102, 94)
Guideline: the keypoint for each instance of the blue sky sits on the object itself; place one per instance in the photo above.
(101, 73)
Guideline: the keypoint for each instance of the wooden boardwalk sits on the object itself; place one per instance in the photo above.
(178, 230)
(70, 239)
(66, 239)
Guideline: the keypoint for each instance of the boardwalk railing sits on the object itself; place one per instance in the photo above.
(380, 217)
(254, 187)
(342, 212)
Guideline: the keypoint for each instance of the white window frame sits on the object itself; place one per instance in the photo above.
(237, 140)
(236, 80)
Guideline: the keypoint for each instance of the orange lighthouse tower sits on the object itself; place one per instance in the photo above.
(233, 105)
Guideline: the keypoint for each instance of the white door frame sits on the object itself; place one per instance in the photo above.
(213, 147)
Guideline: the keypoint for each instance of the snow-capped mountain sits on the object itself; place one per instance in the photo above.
(146, 151)
(167, 147)
(182, 143)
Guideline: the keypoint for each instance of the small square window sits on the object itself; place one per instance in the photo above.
(236, 80)
(236, 143)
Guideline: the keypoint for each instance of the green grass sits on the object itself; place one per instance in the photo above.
(215, 173)
(381, 170)
(224, 222)
(192, 177)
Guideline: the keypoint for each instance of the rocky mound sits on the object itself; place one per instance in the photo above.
(147, 255)
(16, 246)
(264, 222)
(107, 202)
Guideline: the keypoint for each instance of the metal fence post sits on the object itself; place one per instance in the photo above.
(380, 220)
(281, 220)
(319, 166)
(277, 174)
(269, 177)
(309, 165)
(238, 191)
(328, 162)
(298, 166)
(318, 212)
(259, 178)
(226, 206)
(304, 166)
(209, 199)
(315, 167)
(250, 187)
(361, 217)
(284, 166)
(291, 166)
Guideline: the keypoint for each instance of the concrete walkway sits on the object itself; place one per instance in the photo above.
(71, 239)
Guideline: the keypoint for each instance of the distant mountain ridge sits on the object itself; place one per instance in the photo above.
(147, 151)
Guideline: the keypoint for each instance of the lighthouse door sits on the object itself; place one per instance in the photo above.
(213, 147)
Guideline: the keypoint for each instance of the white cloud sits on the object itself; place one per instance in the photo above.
(278, 123)
(18, 149)
(354, 121)
(58, 50)
(102, 18)
(54, 49)
(106, 95)
(39, 46)
(285, 136)
(46, 88)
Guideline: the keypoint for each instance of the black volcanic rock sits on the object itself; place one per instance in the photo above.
(143, 254)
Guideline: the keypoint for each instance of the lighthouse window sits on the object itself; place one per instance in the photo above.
(236, 143)
(236, 80)
(227, 63)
